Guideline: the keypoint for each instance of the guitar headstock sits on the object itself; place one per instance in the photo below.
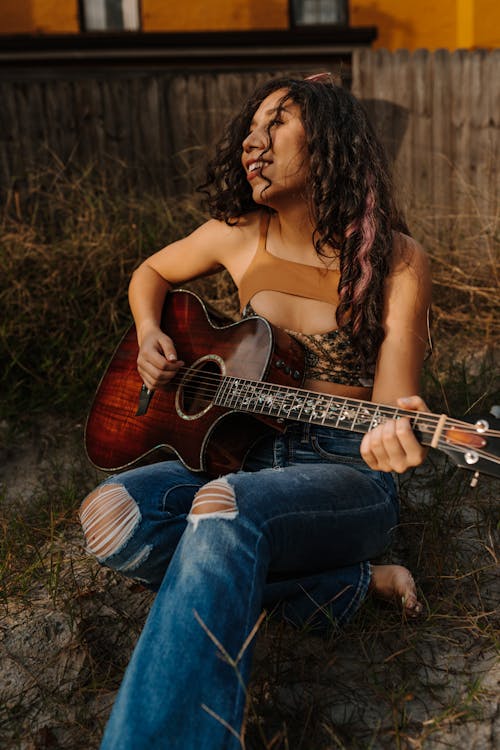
(474, 444)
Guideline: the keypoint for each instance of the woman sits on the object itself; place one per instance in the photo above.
(304, 221)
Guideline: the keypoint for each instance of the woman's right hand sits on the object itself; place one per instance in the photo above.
(157, 361)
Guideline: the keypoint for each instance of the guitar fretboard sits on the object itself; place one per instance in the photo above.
(300, 405)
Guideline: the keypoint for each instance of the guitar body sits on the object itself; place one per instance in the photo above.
(181, 418)
(238, 380)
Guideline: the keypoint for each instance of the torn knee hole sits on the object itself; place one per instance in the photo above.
(108, 516)
(214, 497)
(215, 500)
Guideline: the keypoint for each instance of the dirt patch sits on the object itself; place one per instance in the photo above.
(67, 633)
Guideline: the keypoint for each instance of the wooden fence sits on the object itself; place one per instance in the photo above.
(437, 113)
(439, 117)
(143, 129)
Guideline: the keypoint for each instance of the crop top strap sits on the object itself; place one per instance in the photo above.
(272, 273)
(265, 218)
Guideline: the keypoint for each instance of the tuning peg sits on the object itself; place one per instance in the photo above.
(495, 410)
(474, 480)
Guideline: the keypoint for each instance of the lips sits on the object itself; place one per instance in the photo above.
(255, 167)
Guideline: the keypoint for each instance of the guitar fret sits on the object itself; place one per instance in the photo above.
(245, 395)
(332, 407)
(234, 393)
(376, 419)
(265, 400)
(220, 393)
(290, 404)
(353, 424)
(340, 416)
(227, 392)
(319, 409)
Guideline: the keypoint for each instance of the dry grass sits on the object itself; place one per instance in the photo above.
(68, 627)
(68, 250)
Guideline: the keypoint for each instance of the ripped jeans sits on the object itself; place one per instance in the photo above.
(292, 531)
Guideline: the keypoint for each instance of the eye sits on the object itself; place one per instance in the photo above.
(276, 121)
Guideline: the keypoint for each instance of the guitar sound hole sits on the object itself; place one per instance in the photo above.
(198, 388)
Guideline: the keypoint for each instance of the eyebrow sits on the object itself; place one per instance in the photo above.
(274, 110)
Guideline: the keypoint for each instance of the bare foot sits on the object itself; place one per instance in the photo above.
(396, 582)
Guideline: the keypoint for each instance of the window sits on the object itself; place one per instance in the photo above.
(110, 15)
(317, 12)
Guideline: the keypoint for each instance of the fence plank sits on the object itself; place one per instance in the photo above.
(492, 95)
(460, 119)
(441, 139)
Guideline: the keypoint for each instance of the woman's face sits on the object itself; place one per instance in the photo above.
(276, 167)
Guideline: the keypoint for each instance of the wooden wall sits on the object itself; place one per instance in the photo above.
(437, 113)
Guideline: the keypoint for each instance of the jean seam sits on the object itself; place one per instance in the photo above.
(260, 537)
(196, 487)
(360, 593)
(354, 511)
(335, 457)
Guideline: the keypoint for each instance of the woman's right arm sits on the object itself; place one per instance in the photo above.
(203, 252)
(157, 360)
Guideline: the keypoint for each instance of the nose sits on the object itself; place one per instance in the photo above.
(257, 138)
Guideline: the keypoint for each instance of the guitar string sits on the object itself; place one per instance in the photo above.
(212, 382)
(388, 413)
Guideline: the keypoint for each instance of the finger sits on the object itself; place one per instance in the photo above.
(159, 351)
(153, 376)
(395, 456)
(392, 447)
(153, 357)
(413, 450)
(373, 451)
(413, 403)
(166, 346)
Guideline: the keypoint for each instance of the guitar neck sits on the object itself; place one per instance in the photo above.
(299, 405)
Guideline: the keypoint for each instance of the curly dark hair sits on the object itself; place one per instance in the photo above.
(349, 190)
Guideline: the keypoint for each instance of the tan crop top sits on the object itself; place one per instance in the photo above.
(330, 356)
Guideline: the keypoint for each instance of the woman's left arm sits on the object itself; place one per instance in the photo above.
(392, 446)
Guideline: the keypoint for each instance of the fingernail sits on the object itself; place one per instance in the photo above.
(406, 399)
(171, 357)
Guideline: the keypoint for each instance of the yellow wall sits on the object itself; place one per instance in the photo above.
(56, 16)
(39, 16)
(430, 23)
(212, 15)
(401, 23)
(16, 17)
(487, 23)
(426, 23)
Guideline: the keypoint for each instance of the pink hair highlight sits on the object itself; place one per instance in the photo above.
(367, 229)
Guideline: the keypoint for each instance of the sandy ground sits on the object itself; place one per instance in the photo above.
(382, 683)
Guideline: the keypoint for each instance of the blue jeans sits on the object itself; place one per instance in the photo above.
(309, 514)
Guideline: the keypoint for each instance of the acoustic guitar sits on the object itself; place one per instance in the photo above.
(239, 380)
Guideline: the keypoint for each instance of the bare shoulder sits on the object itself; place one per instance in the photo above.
(236, 242)
(233, 231)
(228, 239)
(409, 257)
(409, 281)
(405, 321)
(209, 248)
